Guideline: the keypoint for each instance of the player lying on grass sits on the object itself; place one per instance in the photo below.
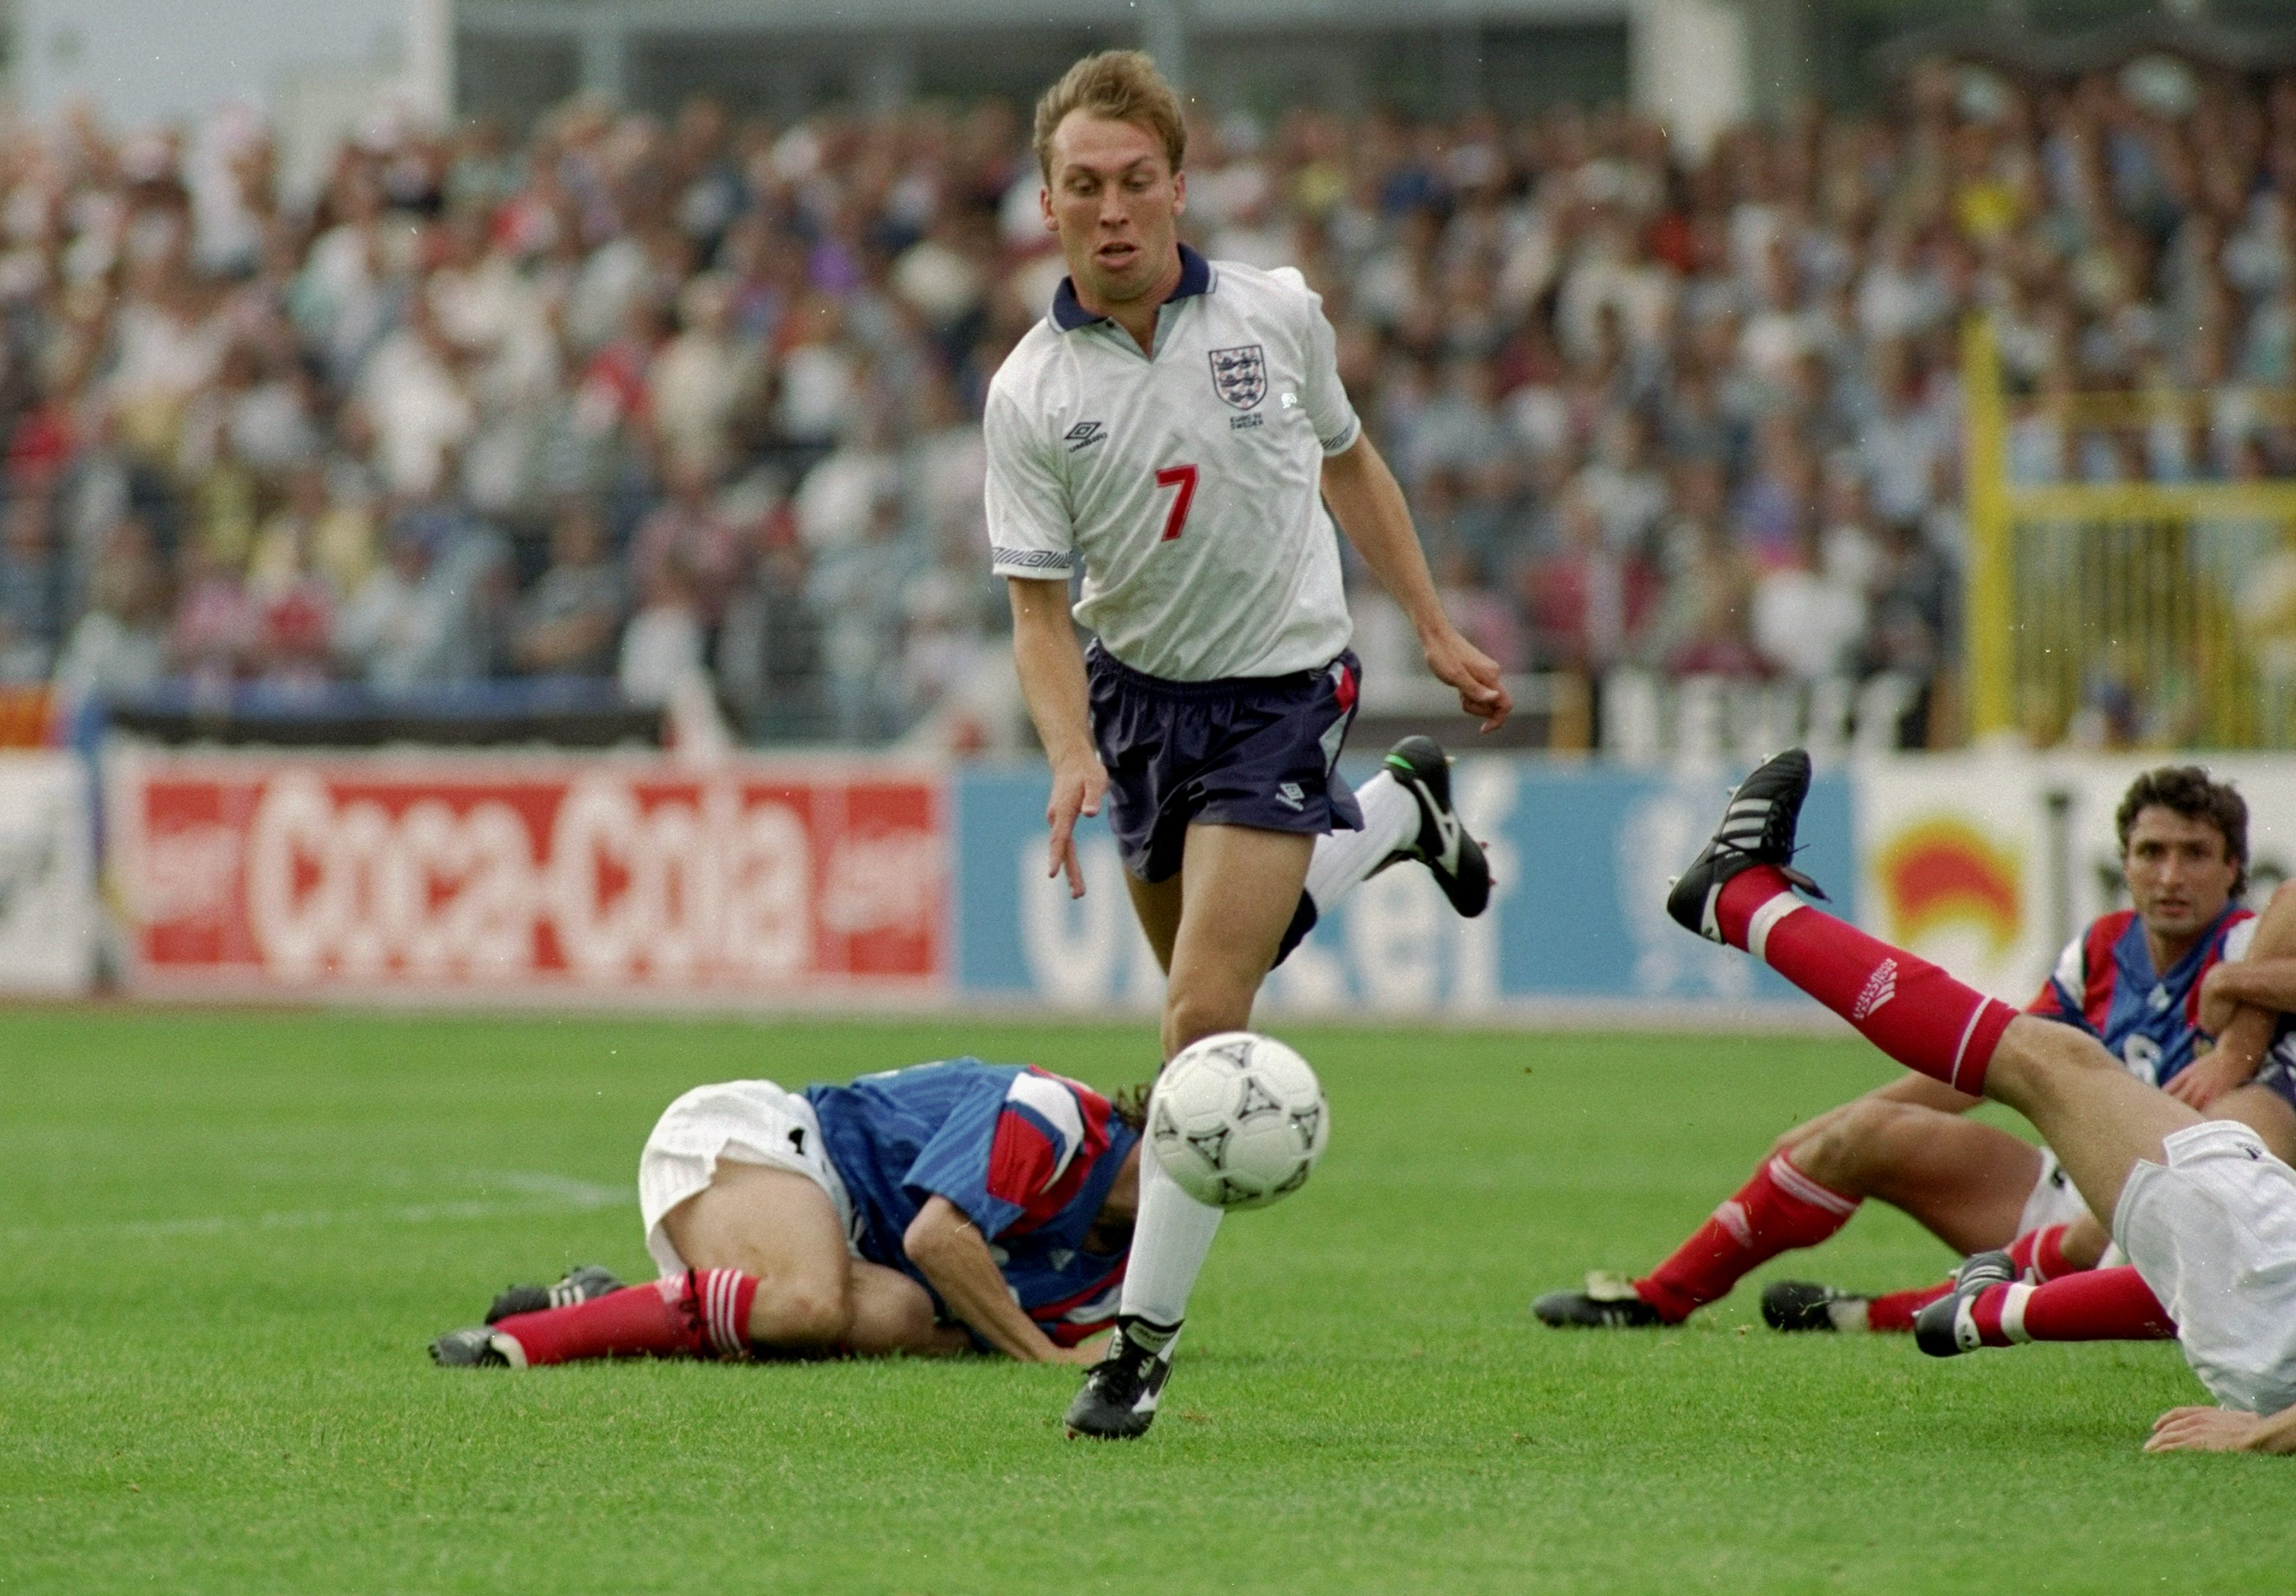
(928, 1210)
(1175, 428)
(2249, 1075)
(2134, 979)
(2206, 1213)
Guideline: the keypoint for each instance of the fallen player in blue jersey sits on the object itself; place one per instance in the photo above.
(935, 1209)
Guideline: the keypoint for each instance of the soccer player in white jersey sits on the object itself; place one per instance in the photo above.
(1174, 428)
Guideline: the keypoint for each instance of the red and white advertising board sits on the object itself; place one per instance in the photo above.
(461, 877)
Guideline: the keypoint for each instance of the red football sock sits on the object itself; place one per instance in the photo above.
(2040, 1255)
(2091, 1305)
(1892, 1314)
(1907, 1007)
(699, 1313)
(1780, 1208)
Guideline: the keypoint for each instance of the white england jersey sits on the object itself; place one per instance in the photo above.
(1188, 482)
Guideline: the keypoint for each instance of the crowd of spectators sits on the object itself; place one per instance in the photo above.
(696, 399)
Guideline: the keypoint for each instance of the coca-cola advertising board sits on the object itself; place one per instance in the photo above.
(456, 877)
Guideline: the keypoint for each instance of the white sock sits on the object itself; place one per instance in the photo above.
(1171, 1241)
(1343, 860)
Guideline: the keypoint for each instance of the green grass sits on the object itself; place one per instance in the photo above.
(227, 1238)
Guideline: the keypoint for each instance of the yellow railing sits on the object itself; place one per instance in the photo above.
(2175, 602)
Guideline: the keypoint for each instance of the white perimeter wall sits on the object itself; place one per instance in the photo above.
(142, 62)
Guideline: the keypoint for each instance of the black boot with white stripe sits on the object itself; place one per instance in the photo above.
(1757, 828)
(578, 1284)
(1949, 1327)
(1456, 859)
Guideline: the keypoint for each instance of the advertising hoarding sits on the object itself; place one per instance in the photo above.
(438, 875)
(47, 877)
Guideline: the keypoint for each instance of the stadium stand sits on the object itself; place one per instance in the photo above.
(650, 401)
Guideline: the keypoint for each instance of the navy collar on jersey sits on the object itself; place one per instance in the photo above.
(1196, 278)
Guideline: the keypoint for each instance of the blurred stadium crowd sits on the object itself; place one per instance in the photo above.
(637, 399)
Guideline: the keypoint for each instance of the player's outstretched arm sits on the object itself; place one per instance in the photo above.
(1368, 503)
(951, 1253)
(1051, 679)
(2223, 1429)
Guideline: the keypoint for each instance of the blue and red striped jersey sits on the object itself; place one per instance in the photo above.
(2149, 1020)
(1027, 1155)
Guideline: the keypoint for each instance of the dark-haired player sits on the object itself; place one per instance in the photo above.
(925, 1211)
(2134, 981)
(2204, 1210)
(1174, 430)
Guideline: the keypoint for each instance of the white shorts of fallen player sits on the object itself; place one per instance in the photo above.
(2054, 1200)
(739, 1122)
(2213, 1233)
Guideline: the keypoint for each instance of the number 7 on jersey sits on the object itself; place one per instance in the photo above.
(1183, 478)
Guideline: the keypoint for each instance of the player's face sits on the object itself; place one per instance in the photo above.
(2179, 877)
(1115, 203)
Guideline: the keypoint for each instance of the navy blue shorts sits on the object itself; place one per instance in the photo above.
(2278, 1073)
(1255, 751)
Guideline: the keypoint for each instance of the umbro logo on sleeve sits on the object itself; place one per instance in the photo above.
(1084, 433)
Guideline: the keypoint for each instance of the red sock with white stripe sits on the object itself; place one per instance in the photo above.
(2093, 1304)
(1907, 1007)
(1892, 1314)
(1780, 1208)
(703, 1313)
(2040, 1255)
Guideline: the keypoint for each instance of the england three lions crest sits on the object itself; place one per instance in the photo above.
(1240, 375)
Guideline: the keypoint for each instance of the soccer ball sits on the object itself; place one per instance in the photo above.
(1238, 1120)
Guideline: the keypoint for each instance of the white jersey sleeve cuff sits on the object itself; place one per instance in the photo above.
(1345, 439)
(1047, 563)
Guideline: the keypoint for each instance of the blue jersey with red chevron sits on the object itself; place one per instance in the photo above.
(2149, 1020)
(1027, 1155)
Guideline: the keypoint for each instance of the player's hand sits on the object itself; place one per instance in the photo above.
(1077, 787)
(2203, 1430)
(1460, 664)
(2217, 1005)
(2209, 1078)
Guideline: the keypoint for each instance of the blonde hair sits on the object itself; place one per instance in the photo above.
(1122, 85)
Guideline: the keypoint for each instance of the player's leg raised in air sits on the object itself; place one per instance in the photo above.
(1905, 1144)
(2184, 964)
(2207, 1214)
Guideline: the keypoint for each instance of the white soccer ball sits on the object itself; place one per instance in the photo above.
(1238, 1119)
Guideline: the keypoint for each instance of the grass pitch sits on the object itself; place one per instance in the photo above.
(227, 1238)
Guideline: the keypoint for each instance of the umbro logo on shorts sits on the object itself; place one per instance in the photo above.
(1084, 433)
(1289, 793)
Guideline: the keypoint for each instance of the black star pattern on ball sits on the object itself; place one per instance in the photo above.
(1256, 1100)
(1212, 1145)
